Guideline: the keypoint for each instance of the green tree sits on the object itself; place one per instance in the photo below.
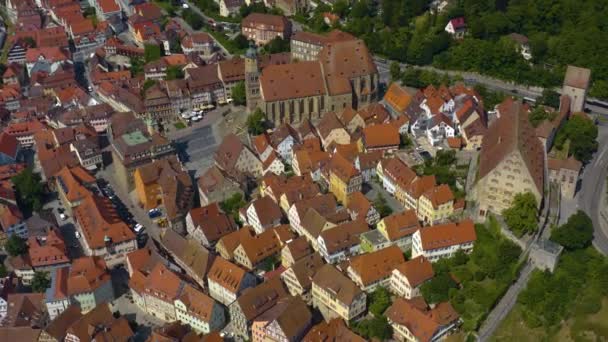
(550, 98)
(137, 66)
(376, 327)
(540, 114)
(152, 52)
(238, 94)
(175, 72)
(3, 271)
(241, 42)
(522, 215)
(577, 233)
(437, 289)
(41, 282)
(232, 205)
(277, 45)
(15, 245)
(193, 19)
(382, 206)
(28, 186)
(582, 133)
(379, 301)
(395, 70)
(256, 122)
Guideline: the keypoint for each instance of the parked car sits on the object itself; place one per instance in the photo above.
(63, 216)
(77, 235)
(139, 228)
(153, 213)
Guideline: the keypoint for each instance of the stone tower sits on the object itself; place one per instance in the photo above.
(252, 75)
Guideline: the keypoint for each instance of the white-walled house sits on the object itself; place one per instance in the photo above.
(444, 240)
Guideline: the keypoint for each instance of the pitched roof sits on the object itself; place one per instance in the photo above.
(99, 221)
(328, 123)
(344, 236)
(377, 265)
(439, 195)
(259, 247)
(226, 274)
(383, 135)
(256, 300)
(109, 328)
(291, 315)
(212, 221)
(333, 281)
(9, 145)
(569, 164)
(512, 132)
(333, 331)
(24, 310)
(86, 275)
(232, 240)
(267, 210)
(397, 98)
(59, 326)
(347, 59)
(294, 80)
(342, 168)
(401, 224)
(299, 248)
(197, 303)
(163, 283)
(267, 21)
(419, 319)
(449, 234)
(228, 152)
(417, 270)
(359, 204)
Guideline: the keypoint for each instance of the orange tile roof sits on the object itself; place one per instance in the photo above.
(449, 234)
(378, 265)
(50, 251)
(398, 98)
(417, 270)
(379, 136)
(343, 236)
(87, 274)
(259, 247)
(419, 319)
(72, 184)
(108, 6)
(401, 224)
(359, 204)
(198, 304)
(295, 80)
(98, 220)
(439, 195)
(342, 168)
(163, 283)
(226, 274)
(333, 331)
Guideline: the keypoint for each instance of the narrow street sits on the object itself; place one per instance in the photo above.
(505, 305)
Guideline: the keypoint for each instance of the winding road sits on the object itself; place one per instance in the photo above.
(590, 196)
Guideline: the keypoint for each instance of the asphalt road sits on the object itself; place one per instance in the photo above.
(472, 78)
(593, 179)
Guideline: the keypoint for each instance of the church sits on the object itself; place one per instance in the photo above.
(343, 75)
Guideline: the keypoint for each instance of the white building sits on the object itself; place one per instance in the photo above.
(443, 241)
(407, 278)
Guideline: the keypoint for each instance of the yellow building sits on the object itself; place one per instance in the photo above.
(344, 178)
(336, 295)
(512, 161)
(436, 204)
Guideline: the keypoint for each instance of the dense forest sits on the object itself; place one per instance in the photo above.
(560, 32)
